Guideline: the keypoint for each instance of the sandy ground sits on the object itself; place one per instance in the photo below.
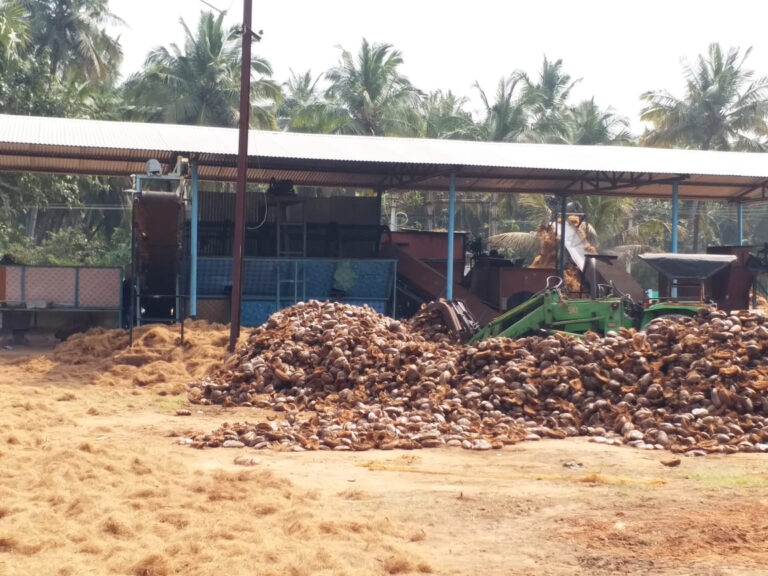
(93, 480)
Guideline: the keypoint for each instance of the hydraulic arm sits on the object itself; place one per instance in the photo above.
(551, 310)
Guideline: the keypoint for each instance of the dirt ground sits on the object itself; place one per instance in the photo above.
(94, 480)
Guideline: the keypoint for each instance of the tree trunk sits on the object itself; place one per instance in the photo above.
(493, 221)
(31, 222)
(429, 205)
(392, 213)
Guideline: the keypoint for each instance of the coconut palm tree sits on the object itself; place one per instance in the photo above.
(523, 245)
(536, 208)
(528, 110)
(724, 108)
(378, 98)
(14, 32)
(505, 120)
(299, 92)
(200, 83)
(73, 34)
(444, 116)
(586, 123)
(607, 216)
(506, 117)
(304, 108)
(547, 102)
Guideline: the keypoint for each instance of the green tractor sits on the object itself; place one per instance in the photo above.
(551, 310)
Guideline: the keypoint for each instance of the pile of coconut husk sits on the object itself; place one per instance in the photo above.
(348, 378)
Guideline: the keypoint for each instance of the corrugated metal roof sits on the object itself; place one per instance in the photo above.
(72, 146)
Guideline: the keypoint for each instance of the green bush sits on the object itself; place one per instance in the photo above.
(68, 247)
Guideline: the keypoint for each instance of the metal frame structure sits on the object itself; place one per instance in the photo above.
(72, 146)
(180, 307)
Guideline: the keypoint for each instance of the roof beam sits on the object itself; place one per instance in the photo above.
(394, 181)
(619, 181)
(578, 180)
(751, 189)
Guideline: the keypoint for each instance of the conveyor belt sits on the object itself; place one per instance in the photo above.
(429, 281)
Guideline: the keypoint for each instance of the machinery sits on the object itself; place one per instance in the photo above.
(692, 277)
(552, 310)
(688, 282)
(156, 243)
(757, 265)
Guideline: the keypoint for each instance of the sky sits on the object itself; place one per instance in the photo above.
(619, 48)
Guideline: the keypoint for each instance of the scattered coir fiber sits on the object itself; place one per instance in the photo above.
(157, 358)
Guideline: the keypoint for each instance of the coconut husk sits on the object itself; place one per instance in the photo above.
(547, 257)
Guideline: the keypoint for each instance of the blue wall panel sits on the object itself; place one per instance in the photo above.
(355, 282)
(255, 312)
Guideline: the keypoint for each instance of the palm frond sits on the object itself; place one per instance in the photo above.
(524, 245)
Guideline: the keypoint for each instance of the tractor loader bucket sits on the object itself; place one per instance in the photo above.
(456, 317)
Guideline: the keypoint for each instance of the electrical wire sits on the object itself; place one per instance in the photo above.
(214, 7)
(264, 220)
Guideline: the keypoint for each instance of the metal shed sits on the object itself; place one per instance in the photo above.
(74, 146)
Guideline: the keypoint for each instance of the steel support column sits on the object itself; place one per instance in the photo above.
(563, 207)
(136, 309)
(379, 197)
(674, 217)
(451, 217)
(741, 224)
(675, 202)
(193, 223)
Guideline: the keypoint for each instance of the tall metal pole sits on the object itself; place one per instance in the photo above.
(674, 231)
(451, 219)
(674, 217)
(136, 283)
(132, 292)
(563, 208)
(193, 243)
(242, 169)
(379, 193)
(741, 224)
